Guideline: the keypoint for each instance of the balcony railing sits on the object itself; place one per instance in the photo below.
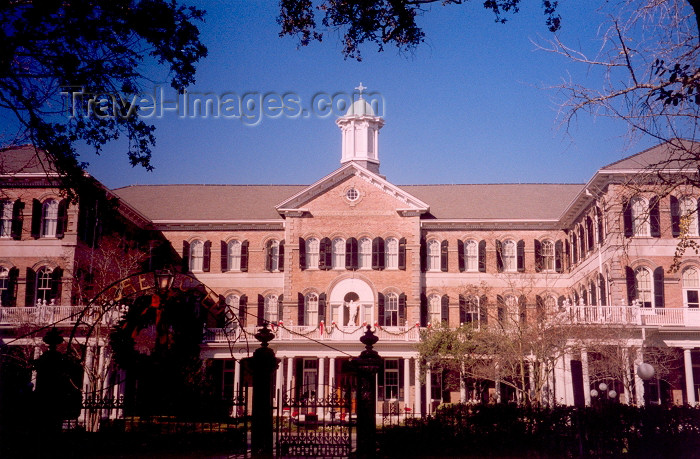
(634, 315)
(302, 333)
(59, 315)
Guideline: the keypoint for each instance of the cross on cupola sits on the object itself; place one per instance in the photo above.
(360, 88)
(360, 127)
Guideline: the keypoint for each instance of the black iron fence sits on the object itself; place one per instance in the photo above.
(312, 425)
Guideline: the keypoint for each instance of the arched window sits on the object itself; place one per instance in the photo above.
(592, 292)
(234, 255)
(311, 309)
(312, 246)
(6, 208)
(471, 313)
(196, 256)
(44, 283)
(643, 287)
(640, 216)
(433, 255)
(471, 256)
(338, 253)
(365, 258)
(688, 207)
(49, 218)
(273, 255)
(232, 315)
(691, 287)
(4, 286)
(271, 311)
(391, 310)
(547, 254)
(434, 307)
(509, 256)
(392, 253)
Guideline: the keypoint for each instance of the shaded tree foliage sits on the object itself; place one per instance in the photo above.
(382, 22)
(97, 48)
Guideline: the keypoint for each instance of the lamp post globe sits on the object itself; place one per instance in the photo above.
(645, 371)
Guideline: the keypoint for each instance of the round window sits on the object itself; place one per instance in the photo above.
(352, 194)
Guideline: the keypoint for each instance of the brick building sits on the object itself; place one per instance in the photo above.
(320, 261)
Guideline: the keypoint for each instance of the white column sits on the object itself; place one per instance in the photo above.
(428, 392)
(290, 366)
(279, 378)
(236, 377)
(559, 382)
(586, 377)
(689, 381)
(406, 381)
(331, 373)
(638, 382)
(568, 380)
(321, 376)
(416, 374)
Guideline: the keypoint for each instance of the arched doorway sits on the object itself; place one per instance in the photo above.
(351, 303)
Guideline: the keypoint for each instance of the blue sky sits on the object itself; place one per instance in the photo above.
(466, 107)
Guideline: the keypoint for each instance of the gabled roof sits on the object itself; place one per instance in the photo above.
(674, 154)
(25, 160)
(207, 202)
(515, 201)
(295, 202)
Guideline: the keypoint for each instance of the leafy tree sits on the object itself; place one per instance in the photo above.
(381, 22)
(95, 48)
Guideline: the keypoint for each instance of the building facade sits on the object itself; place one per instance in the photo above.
(320, 262)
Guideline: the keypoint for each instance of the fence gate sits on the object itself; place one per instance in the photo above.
(309, 425)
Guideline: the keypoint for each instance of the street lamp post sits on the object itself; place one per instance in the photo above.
(606, 396)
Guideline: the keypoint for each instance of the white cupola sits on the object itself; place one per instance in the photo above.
(360, 128)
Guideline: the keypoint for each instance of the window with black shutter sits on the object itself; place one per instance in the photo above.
(325, 258)
(482, 256)
(627, 218)
(280, 260)
(499, 256)
(378, 257)
(445, 309)
(423, 310)
(659, 287)
(302, 253)
(484, 309)
(56, 285)
(675, 217)
(402, 254)
(558, 256)
(423, 255)
(538, 256)
(462, 309)
(655, 217)
(62, 221)
(36, 218)
(9, 294)
(261, 310)
(444, 256)
(280, 309)
(601, 225)
(380, 309)
(521, 255)
(224, 256)
(351, 253)
(522, 309)
(185, 256)
(501, 305)
(590, 233)
(301, 304)
(244, 256)
(321, 308)
(402, 309)
(243, 310)
(17, 219)
(602, 290)
(631, 287)
(30, 288)
(206, 260)
(460, 255)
